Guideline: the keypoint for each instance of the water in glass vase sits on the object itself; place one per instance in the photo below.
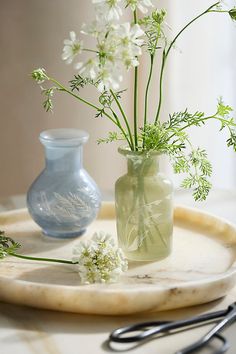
(144, 208)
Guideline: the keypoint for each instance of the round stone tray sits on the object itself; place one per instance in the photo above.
(201, 268)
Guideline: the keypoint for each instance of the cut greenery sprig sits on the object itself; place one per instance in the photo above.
(96, 261)
(118, 48)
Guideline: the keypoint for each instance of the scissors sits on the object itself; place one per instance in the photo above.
(147, 330)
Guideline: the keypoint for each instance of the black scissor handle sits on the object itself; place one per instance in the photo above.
(192, 348)
(229, 318)
(148, 329)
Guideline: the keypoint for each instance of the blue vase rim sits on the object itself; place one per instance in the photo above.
(63, 137)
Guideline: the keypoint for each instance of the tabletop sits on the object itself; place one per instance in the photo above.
(25, 330)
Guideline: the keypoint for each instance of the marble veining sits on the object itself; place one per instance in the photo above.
(201, 268)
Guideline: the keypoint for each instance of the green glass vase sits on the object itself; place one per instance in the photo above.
(144, 208)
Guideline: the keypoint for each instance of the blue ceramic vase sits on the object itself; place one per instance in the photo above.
(64, 199)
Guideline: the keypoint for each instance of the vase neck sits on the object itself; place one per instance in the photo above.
(63, 149)
(143, 165)
(64, 159)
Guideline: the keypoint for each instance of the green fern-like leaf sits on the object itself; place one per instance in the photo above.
(7, 245)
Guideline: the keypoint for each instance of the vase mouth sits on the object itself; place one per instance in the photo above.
(125, 150)
(63, 137)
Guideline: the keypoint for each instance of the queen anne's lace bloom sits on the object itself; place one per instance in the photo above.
(95, 28)
(99, 261)
(118, 46)
(128, 59)
(109, 77)
(142, 5)
(129, 37)
(72, 47)
(108, 10)
(90, 69)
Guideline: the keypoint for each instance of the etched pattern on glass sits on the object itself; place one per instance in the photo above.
(70, 206)
(143, 225)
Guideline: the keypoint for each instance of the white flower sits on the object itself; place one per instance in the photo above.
(72, 48)
(129, 37)
(90, 69)
(105, 68)
(117, 45)
(128, 59)
(108, 10)
(95, 29)
(99, 261)
(128, 44)
(103, 238)
(142, 5)
(109, 77)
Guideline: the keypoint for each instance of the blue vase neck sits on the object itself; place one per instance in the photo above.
(63, 149)
(68, 159)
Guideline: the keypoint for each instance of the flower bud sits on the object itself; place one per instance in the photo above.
(39, 75)
(232, 13)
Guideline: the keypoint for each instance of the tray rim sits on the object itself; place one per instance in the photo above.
(111, 204)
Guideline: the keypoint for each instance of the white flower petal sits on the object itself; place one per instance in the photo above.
(107, 10)
(142, 5)
(72, 47)
(67, 42)
(143, 9)
(137, 31)
(101, 87)
(78, 66)
(72, 36)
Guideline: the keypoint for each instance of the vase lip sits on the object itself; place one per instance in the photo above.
(64, 137)
(125, 150)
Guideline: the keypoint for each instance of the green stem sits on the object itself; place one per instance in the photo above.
(121, 128)
(194, 165)
(125, 119)
(90, 50)
(114, 121)
(189, 23)
(146, 97)
(222, 120)
(63, 88)
(160, 86)
(135, 107)
(40, 259)
(155, 223)
(219, 11)
(165, 55)
(135, 98)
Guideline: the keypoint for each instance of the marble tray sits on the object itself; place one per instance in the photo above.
(201, 268)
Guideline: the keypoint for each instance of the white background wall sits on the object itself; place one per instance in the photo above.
(31, 35)
(204, 70)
